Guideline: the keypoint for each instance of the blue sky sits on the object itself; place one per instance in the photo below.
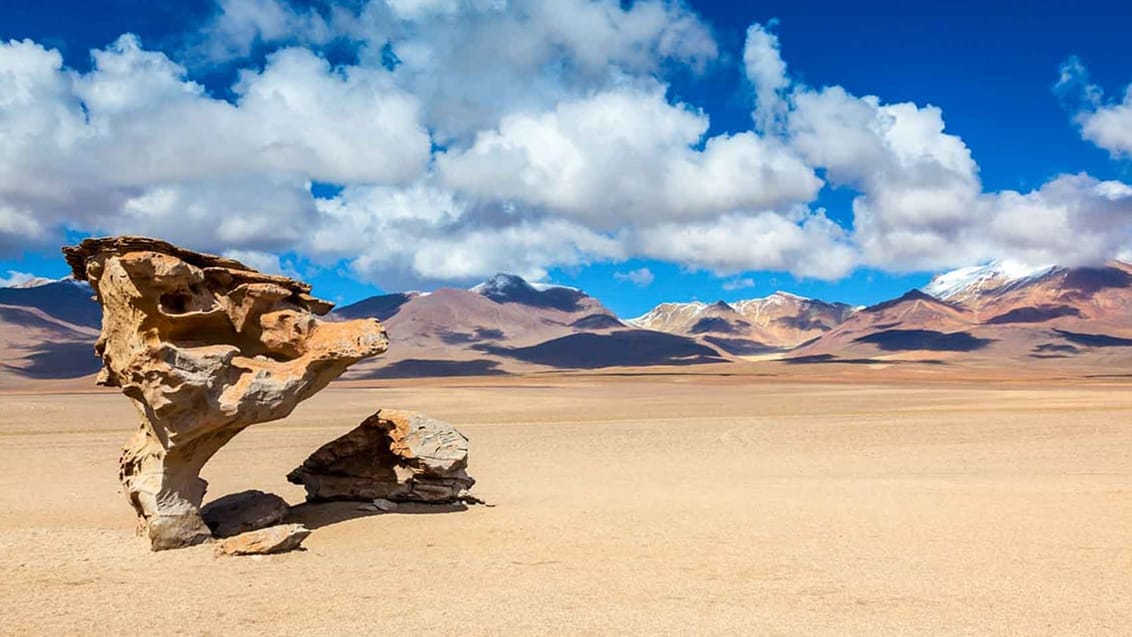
(990, 69)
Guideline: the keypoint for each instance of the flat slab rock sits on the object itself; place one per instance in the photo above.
(400, 456)
(273, 539)
(244, 511)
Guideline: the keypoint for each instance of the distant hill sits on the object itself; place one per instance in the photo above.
(778, 322)
(47, 331)
(508, 325)
(65, 299)
(995, 313)
(987, 315)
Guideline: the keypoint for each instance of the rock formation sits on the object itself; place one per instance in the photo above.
(393, 455)
(203, 346)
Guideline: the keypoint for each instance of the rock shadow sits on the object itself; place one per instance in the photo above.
(719, 325)
(431, 368)
(315, 515)
(1088, 281)
(1038, 314)
(1094, 340)
(629, 348)
(930, 340)
(741, 346)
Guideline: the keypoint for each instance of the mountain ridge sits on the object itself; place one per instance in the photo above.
(508, 325)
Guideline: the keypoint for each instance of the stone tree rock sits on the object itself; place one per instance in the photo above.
(203, 346)
(393, 455)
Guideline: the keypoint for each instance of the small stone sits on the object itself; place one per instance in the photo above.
(274, 539)
(384, 505)
(244, 511)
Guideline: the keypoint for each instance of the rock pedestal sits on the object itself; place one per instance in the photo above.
(204, 347)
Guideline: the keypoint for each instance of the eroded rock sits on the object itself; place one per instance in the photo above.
(245, 511)
(401, 456)
(274, 539)
(204, 347)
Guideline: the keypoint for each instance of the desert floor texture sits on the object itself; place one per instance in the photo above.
(658, 504)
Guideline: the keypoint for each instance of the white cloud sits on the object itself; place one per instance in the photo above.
(477, 136)
(627, 155)
(1108, 125)
(766, 71)
(401, 237)
(738, 284)
(809, 246)
(641, 277)
(921, 205)
(15, 279)
(264, 262)
(525, 249)
(451, 56)
(133, 146)
(240, 24)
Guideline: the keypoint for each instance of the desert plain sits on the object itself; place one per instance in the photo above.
(735, 499)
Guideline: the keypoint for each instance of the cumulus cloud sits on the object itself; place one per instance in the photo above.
(238, 25)
(402, 236)
(475, 136)
(1106, 124)
(738, 284)
(627, 155)
(135, 146)
(810, 245)
(920, 202)
(15, 278)
(641, 277)
(451, 55)
(766, 71)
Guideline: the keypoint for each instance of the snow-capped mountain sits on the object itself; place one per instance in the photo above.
(779, 321)
(31, 281)
(995, 312)
(507, 324)
(669, 317)
(511, 288)
(963, 284)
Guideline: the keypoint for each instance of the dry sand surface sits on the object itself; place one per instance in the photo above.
(648, 505)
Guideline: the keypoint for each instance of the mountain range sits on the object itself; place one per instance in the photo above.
(993, 315)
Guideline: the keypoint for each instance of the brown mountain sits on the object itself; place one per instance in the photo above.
(508, 325)
(984, 315)
(774, 323)
(47, 331)
(1075, 315)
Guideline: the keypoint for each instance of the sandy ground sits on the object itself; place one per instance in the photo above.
(660, 505)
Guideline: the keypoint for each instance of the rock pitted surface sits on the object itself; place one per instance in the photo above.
(401, 456)
(204, 347)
